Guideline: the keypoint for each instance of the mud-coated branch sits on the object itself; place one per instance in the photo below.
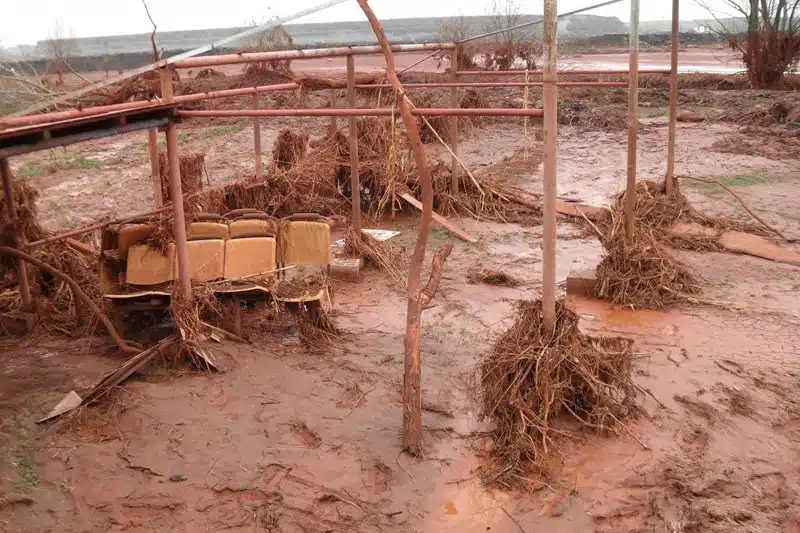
(437, 266)
(76, 289)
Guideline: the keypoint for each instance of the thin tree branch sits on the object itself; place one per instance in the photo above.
(156, 55)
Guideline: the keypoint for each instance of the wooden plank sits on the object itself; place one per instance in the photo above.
(743, 243)
(574, 209)
(757, 246)
(439, 219)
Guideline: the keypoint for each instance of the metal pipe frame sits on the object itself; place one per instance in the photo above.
(178, 218)
(355, 178)
(673, 98)
(258, 57)
(550, 178)
(633, 118)
(362, 112)
(521, 72)
(246, 91)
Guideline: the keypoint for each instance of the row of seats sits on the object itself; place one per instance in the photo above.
(239, 249)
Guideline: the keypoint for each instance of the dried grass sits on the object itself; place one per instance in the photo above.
(540, 389)
(492, 277)
(289, 148)
(591, 116)
(638, 271)
(191, 166)
(381, 255)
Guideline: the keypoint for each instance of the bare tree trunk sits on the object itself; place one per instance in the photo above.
(417, 299)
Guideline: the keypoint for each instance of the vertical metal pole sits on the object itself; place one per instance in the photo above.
(11, 211)
(257, 138)
(454, 122)
(673, 96)
(550, 126)
(166, 85)
(633, 111)
(179, 223)
(332, 104)
(155, 173)
(355, 182)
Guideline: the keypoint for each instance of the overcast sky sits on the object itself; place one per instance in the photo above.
(27, 21)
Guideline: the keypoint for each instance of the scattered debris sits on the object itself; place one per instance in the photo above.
(532, 378)
(289, 148)
(690, 116)
(492, 277)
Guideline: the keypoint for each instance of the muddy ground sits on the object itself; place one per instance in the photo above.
(288, 440)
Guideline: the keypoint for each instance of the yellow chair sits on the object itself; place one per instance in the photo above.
(146, 266)
(244, 228)
(249, 257)
(198, 231)
(306, 243)
(206, 259)
(131, 235)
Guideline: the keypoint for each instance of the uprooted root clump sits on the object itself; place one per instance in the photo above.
(490, 276)
(289, 148)
(540, 389)
(639, 271)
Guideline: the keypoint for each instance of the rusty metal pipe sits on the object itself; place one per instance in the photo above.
(355, 179)
(521, 72)
(492, 84)
(258, 57)
(633, 121)
(361, 112)
(179, 223)
(550, 178)
(673, 97)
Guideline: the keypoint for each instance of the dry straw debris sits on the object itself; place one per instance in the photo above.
(191, 166)
(289, 148)
(638, 271)
(541, 389)
(490, 276)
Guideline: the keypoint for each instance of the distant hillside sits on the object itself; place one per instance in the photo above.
(411, 30)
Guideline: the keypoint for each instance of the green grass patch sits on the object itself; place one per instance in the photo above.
(81, 161)
(31, 169)
(28, 478)
(218, 131)
(38, 168)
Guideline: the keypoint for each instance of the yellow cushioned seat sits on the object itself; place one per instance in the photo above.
(207, 230)
(146, 265)
(131, 235)
(206, 259)
(307, 243)
(244, 228)
(249, 257)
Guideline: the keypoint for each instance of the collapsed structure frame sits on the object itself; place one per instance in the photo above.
(12, 128)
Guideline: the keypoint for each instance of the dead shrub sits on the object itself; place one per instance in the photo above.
(289, 148)
(541, 388)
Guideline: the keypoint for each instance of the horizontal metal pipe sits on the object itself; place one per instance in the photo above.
(257, 57)
(362, 112)
(245, 91)
(44, 118)
(29, 120)
(491, 84)
(520, 72)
